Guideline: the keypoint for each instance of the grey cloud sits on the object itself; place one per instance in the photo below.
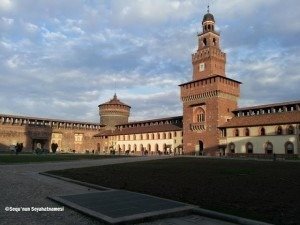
(163, 104)
(64, 57)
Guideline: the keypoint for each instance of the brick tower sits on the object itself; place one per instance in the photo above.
(113, 112)
(210, 97)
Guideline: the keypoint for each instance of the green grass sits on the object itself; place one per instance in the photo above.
(266, 191)
(33, 158)
(238, 171)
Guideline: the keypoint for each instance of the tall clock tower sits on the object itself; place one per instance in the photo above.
(209, 58)
(210, 97)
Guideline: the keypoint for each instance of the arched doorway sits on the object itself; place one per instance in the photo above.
(98, 148)
(201, 148)
(142, 148)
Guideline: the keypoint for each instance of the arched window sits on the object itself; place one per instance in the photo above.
(290, 130)
(209, 27)
(149, 147)
(158, 135)
(231, 148)
(262, 131)
(134, 137)
(249, 148)
(269, 148)
(214, 42)
(247, 132)
(204, 41)
(236, 133)
(170, 135)
(279, 130)
(198, 115)
(141, 147)
(152, 136)
(156, 147)
(164, 136)
(129, 147)
(134, 147)
(289, 148)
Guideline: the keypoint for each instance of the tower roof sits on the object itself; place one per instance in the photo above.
(208, 16)
(114, 101)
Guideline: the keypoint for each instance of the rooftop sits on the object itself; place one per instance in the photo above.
(207, 78)
(114, 101)
(264, 119)
(281, 104)
(47, 119)
(144, 129)
(152, 120)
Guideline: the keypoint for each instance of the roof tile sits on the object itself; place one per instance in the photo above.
(263, 119)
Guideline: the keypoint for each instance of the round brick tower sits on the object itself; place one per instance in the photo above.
(113, 112)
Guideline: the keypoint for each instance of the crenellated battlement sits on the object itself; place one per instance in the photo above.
(43, 122)
(208, 52)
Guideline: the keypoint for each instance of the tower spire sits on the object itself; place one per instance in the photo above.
(115, 87)
(208, 8)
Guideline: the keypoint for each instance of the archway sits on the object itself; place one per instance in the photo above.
(40, 144)
(98, 148)
(201, 148)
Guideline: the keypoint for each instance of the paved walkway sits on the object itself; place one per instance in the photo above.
(22, 186)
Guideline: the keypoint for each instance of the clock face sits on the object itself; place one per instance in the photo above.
(201, 67)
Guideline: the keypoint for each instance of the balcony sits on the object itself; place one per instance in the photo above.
(197, 126)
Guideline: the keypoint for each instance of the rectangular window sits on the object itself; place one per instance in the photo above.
(78, 137)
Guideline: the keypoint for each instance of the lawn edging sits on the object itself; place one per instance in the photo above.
(94, 186)
(227, 217)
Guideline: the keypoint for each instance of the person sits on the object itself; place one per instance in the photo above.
(274, 157)
(19, 147)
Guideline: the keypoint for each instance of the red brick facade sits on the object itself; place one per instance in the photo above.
(210, 97)
(31, 131)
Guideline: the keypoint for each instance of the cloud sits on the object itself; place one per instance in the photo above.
(32, 28)
(7, 21)
(61, 59)
(6, 5)
(150, 12)
(161, 104)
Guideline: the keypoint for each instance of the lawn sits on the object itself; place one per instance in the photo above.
(266, 191)
(29, 158)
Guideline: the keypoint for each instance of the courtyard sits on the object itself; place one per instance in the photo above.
(262, 190)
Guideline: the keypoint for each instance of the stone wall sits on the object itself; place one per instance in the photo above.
(79, 137)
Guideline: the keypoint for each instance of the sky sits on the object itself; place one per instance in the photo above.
(61, 59)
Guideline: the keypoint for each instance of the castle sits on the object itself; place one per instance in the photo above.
(211, 124)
